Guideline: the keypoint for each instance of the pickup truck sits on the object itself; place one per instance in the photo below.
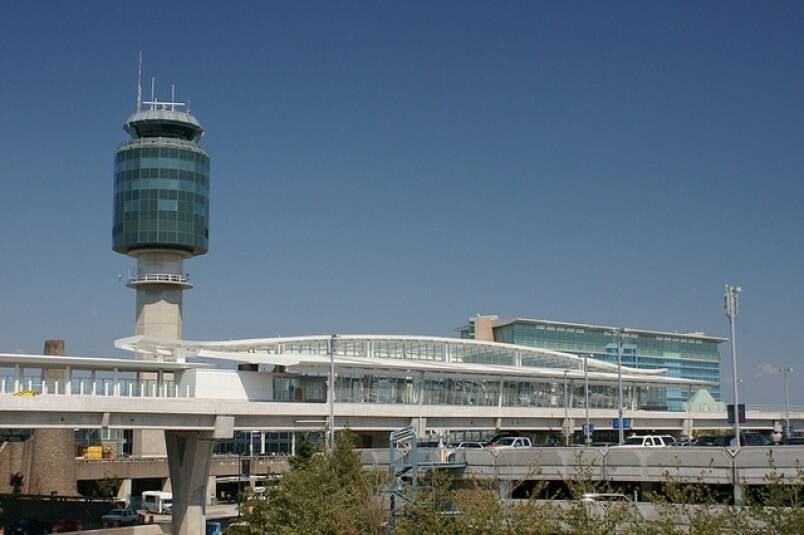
(643, 441)
(119, 517)
(511, 442)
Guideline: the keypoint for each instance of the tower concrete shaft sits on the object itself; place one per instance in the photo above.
(159, 282)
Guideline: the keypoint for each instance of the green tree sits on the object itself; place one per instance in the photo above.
(107, 487)
(327, 494)
(304, 452)
(777, 506)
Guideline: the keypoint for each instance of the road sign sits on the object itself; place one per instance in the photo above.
(245, 469)
(588, 432)
(615, 423)
(730, 412)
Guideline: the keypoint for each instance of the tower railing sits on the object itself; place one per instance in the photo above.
(159, 277)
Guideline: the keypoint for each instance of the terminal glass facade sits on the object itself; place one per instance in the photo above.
(684, 356)
(480, 392)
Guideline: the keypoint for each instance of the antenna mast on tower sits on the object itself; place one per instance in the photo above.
(139, 84)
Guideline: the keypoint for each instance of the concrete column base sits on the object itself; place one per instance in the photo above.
(189, 456)
(505, 489)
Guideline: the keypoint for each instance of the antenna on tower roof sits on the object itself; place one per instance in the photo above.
(153, 86)
(188, 105)
(139, 84)
(172, 97)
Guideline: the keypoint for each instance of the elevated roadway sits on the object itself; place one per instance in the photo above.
(196, 414)
(719, 466)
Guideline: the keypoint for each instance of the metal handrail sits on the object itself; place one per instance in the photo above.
(160, 277)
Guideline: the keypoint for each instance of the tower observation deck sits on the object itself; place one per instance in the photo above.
(161, 207)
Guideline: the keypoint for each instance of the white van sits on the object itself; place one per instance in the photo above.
(156, 501)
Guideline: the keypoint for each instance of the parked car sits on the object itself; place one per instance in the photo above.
(682, 443)
(669, 440)
(754, 439)
(29, 526)
(66, 525)
(511, 442)
(722, 441)
(643, 441)
(470, 445)
(214, 528)
(603, 444)
(713, 440)
(119, 517)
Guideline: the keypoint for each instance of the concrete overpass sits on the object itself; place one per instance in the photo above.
(709, 465)
(203, 415)
(197, 403)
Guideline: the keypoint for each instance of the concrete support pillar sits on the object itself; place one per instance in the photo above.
(293, 443)
(17, 378)
(505, 488)
(189, 457)
(212, 483)
(262, 442)
(53, 456)
(124, 492)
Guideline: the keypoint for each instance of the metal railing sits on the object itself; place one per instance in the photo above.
(127, 388)
(159, 277)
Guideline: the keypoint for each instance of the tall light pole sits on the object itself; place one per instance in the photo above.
(620, 385)
(331, 427)
(566, 411)
(787, 401)
(586, 397)
(786, 372)
(731, 305)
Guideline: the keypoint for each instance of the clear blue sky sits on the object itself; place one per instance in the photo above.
(395, 167)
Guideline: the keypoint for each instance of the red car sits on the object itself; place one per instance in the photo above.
(64, 526)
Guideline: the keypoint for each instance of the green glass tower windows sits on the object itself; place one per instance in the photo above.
(161, 196)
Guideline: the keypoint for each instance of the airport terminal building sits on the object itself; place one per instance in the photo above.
(684, 355)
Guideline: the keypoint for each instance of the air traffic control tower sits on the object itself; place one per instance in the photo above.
(161, 207)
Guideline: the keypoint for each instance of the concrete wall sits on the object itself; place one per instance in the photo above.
(52, 467)
(228, 384)
(224, 465)
(484, 328)
(15, 457)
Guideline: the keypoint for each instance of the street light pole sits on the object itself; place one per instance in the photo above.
(621, 437)
(787, 371)
(586, 397)
(331, 430)
(731, 305)
(566, 411)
